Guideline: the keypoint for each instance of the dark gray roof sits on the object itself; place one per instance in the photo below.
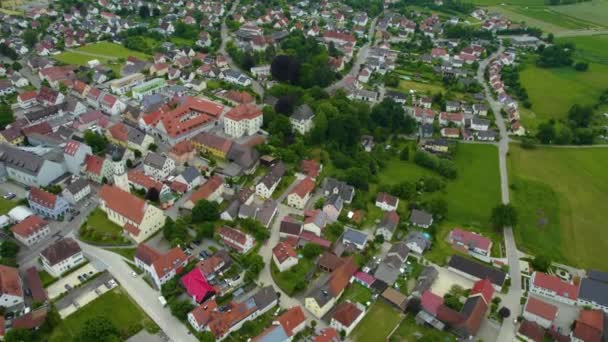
(233, 209)
(400, 249)
(388, 270)
(291, 228)
(267, 211)
(190, 174)
(77, 185)
(425, 280)
(598, 275)
(246, 157)
(24, 161)
(477, 270)
(248, 211)
(264, 297)
(419, 239)
(45, 112)
(136, 136)
(302, 113)
(332, 185)
(274, 176)
(335, 200)
(593, 291)
(155, 160)
(355, 236)
(421, 218)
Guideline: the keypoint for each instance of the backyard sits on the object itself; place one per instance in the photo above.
(6, 205)
(114, 305)
(378, 323)
(99, 229)
(560, 196)
(357, 293)
(294, 279)
(410, 331)
(105, 52)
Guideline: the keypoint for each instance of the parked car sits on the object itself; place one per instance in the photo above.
(9, 195)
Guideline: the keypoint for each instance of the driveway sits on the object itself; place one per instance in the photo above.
(446, 279)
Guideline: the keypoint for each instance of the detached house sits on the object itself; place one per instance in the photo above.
(244, 119)
(97, 168)
(540, 312)
(61, 257)
(387, 202)
(270, 181)
(31, 230)
(554, 288)
(138, 219)
(346, 316)
(112, 105)
(158, 166)
(421, 218)
(12, 288)
(76, 191)
(301, 193)
(236, 239)
(388, 225)
(302, 119)
(324, 297)
(470, 242)
(284, 256)
(160, 267)
(47, 204)
(389, 268)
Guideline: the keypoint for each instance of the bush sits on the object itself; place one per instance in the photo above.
(581, 66)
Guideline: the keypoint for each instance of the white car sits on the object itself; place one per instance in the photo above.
(133, 274)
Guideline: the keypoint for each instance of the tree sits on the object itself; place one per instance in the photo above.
(153, 195)
(30, 37)
(9, 249)
(581, 66)
(205, 211)
(285, 69)
(504, 215)
(405, 154)
(550, 37)
(98, 329)
(205, 230)
(541, 263)
(152, 147)
(16, 66)
(97, 142)
(546, 133)
(6, 115)
(129, 163)
(144, 11)
(180, 308)
(311, 250)
(19, 335)
(206, 336)
(504, 312)
(137, 153)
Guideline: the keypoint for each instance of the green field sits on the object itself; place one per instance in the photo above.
(567, 87)
(76, 58)
(410, 331)
(99, 229)
(6, 205)
(420, 87)
(116, 306)
(379, 321)
(508, 2)
(111, 50)
(595, 11)
(589, 48)
(560, 195)
(357, 293)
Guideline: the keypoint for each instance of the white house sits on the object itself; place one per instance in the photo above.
(236, 239)
(265, 188)
(112, 105)
(76, 191)
(540, 312)
(302, 119)
(244, 119)
(554, 288)
(301, 193)
(284, 256)
(61, 257)
(12, 288)
(31, 230)
(158, 166)
(387, 202)
(346, 316)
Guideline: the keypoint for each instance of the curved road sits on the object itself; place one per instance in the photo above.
(512, 299)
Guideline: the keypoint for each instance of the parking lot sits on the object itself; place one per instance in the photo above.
(79, 297)
(71, 281)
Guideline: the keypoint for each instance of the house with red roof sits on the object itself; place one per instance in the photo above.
(323, 298)
(27, 99)
(483, 288)
(237, 240)
(197, 286)
(138, 218)
(284, 256)
(386, 201)
(213, 144)
(49, 97)
(315, 221)
(327, 335)
(47, 204)
(470, 242)
(424, 115)
(190, 117)
(31, 230)
(346, 316)
(112, 105)
(140, 181)
(540, 312)
(553, 287)
(531, 332)
(244, 119)
(160, 267)
(97, 168)
(430, 302)
(589, 327)
(446, 118)
(74, 155)
(182, 152)
(311, 168)
(211, 190)
(12, 291)
(301, 193)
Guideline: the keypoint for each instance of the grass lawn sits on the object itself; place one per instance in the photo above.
(560, 195)
(379, 321)
(547, 15)
(6, 205)
(111, 50)
(357, 293)
(590, 48)
(568, 87)
(430, 88)
(508, 2)
(76, 58)
(517, 14)
(116, 306)
(595, 11)
(410, 331)
(288, 280)
(99, 229)
(286, 181)
(46, 278)
(128, 253)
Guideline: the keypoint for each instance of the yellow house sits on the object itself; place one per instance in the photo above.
(12, 136)
(213, 144)
(139, 219)
(322, 299)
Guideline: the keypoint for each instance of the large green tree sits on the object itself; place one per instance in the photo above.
(504, 215)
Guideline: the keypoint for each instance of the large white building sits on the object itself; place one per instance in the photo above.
(244, 119)
(31, 230)
(554, 288)
(158, 166)
(61, 257)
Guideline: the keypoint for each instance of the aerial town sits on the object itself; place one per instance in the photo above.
(303, 170)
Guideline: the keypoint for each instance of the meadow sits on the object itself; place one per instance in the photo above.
(560, 196)
(595, 11)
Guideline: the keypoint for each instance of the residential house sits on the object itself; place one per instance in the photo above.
(324, 297)
(27, 167)
(346, 316)
(554, 288)
(593, 292)
(301, 193)
(158, 166)
(302, 119)
(270, 181)
(311, 168)
(477, 271)
(540, 312)
(244, 119)
(12, 288)
(389, 268)
(47, 204)
(332, 207)
(387, 202)
(213, 144)
(74, 155)
(355, 238)
(531, 332)
(183, 152)
(284, 256)
(61, 256)
(211, 191)
(190, 177)
(417, 242)
(162, 267)
(31, 230)
(236, 239)
(97, 168)
(139, 219)
(589, 327)
(470, 242)
(387, 226)
(420, 218)
(76, 191)
(336, 187)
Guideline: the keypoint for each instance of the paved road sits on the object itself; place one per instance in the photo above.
(141, 292)
(360, 59)
(512, 298)
(255, 85)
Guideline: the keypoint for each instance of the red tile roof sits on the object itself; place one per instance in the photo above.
(327, 335)
(146, 254)
(33, 282)
(192, 114)
(210, 140)
(589, 326)
(124, 203)
(71, 147)
(339, 36)
(430, 302)
(303, 188)
(42, 197)
(207, 189)
(310, 167)
(240, 96)
(28, 95)
(540, 308)
(532, 331)
(244, 112)
(233, 234)
(182, 148)
(554, 283)
(346, 313)
(94, 164)
(196, 285)
(484, 288)
(471, 239)
(172, 260)
(119, 132)
(340, 277)
(29, 226)
(140, 178)
(283, 251)
(292, 319)
(10, 282)
(383, 197)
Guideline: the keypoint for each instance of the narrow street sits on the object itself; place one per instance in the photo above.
(512, 299)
